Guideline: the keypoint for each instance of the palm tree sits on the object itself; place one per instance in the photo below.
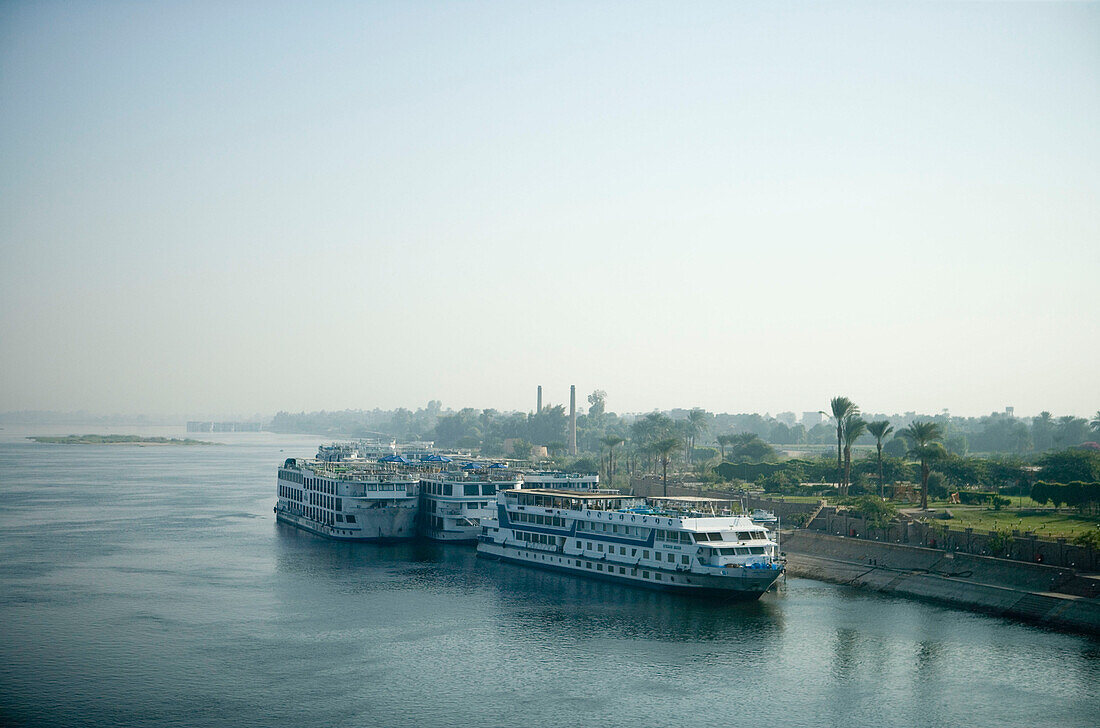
(924, 436)
(1042, 428)
(725, 440)
(610, 441)
(664, 449)
(854, 426)
(1095, 424)
(879, 430)
(697, 422)
(841, 407)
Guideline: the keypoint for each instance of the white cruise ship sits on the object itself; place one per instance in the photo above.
(556, 480)
(453, 502)
(691, 545)
(350, 500)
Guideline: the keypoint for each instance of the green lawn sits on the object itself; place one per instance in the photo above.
(1045, 523)
(815, 499)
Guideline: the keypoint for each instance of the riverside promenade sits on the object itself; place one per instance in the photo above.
(1051, 595)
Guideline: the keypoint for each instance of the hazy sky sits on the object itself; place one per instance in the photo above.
(245, 207)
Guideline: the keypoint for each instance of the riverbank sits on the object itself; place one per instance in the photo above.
(116, 440)
(1054, 596)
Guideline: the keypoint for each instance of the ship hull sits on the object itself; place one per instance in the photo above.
(747, 584)
(378, 525)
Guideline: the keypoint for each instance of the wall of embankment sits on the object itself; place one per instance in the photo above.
(999, 586)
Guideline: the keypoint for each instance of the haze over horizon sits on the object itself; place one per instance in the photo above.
(223, 208)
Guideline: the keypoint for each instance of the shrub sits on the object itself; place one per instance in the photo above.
(874, 510)
(1088, 538)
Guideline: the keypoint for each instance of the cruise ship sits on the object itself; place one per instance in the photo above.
(453, 502)
(689, 545)
(348, 500)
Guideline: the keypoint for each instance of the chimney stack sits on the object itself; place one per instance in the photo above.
(538, 409)
(572, 419)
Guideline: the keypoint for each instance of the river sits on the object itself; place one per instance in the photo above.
(151, 586)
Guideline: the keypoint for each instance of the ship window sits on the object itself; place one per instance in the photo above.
(599, 547)
(489, 489)
(588, 564)
(684, 559)
(657, 577)
(339, 518)
(469, 489)
(339, 504)
(351, 519)
(645, 554)
(756, 549)
(645, 574)
(759, 534)
(599, 567)
(448, 489)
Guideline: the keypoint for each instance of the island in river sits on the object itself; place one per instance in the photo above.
(117, 440)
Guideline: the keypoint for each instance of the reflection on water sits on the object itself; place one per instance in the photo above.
(152, 586)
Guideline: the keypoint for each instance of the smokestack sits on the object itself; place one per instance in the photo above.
(572, 419)
(538, 409)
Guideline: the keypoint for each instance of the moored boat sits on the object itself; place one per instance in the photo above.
(690, 545)
(349, 500)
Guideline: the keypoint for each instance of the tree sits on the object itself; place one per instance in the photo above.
(1042, 431)
(723, 442)
(610, 441)
(841, 407)
(1072, 430)
(879, 430)
(521, 450)
(1069, 465)
(1095, 424)
(697, 422)
(877, 513)
(597, 404)
(651, 428)
(854, 426)
(924, 437)
(664, 450)
(748, 445)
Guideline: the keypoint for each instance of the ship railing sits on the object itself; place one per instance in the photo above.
(474, 478)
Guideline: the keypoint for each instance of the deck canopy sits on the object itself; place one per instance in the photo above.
(693, 504)
(576, 500)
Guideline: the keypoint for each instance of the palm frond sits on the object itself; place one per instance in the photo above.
(880, 429)
(842, 407)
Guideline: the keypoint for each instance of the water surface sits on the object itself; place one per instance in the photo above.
(151, 586)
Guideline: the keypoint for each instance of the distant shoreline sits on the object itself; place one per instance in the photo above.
(116, 440)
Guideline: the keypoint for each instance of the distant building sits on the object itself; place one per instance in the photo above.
(195, 426)
(787, 418)
(811, 419)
